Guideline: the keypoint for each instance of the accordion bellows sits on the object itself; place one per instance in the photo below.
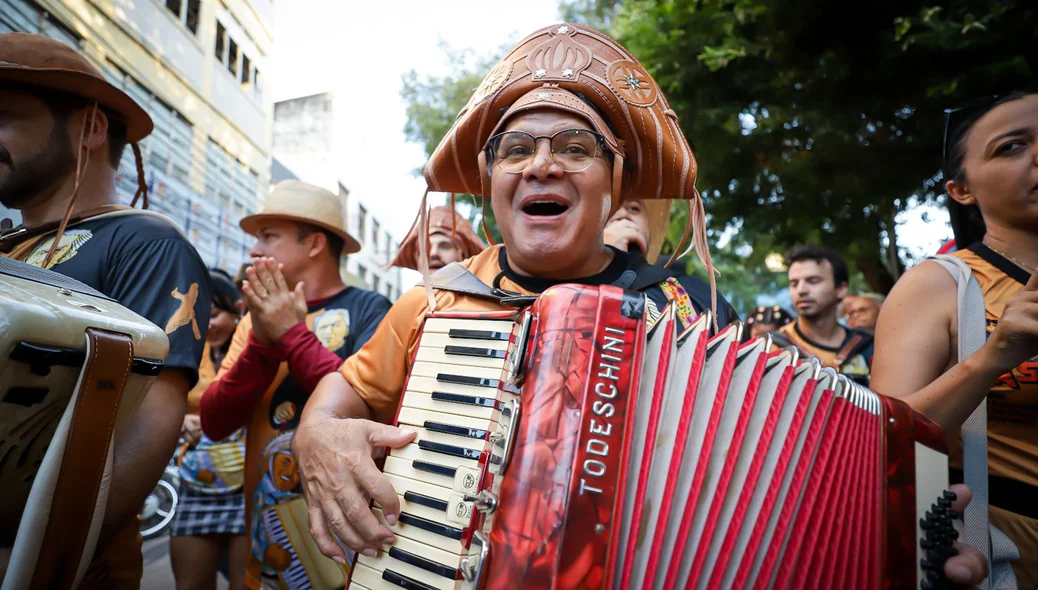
(74, 365)
(575, 448)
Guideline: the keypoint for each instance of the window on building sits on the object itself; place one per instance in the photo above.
(191, 15)
(27, 16)
(362, 273)
(389, 291)
(362, 222)
(257, 85)
(221, 41)
(246, 71)
(232, 57)
(374, 235)
(376, 283)
(389, 244)
(186, 12)
(219, 174)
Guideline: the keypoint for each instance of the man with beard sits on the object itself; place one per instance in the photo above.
(817, 282)
(63, 129)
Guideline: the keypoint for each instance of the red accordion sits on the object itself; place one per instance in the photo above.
(566, 447)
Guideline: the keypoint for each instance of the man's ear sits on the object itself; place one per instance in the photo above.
(95, 134)
(960, 193)
(319, 245)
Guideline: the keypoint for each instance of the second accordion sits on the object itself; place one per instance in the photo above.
(570, 445)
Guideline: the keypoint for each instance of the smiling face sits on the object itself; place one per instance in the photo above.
(1001, 165)
(551, 220)
(442, 251)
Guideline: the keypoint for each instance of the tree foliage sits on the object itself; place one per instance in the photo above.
(816, 121)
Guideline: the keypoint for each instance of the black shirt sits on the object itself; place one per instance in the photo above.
(146, 264)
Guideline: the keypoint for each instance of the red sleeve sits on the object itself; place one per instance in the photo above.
(308, 360)
(228, 402)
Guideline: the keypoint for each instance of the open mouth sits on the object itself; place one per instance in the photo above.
(544, 208)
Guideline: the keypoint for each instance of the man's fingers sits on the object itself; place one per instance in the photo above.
(254, 280)
(250, 294)
(265, 274)
(384, 435)
(380, 489)
(968, 568)
(963, 495)
(361, 520)
(323, 536)
(279, 277)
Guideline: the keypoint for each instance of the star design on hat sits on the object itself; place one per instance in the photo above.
(562, 30)
(540, 73)
(567, 73)
(631, 82)
(634, 82)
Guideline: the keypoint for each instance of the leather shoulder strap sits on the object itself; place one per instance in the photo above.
(846, 350)
(71, 530)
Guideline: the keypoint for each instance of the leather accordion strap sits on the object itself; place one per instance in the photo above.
(845, 352)
(12, 238)
(109, 357)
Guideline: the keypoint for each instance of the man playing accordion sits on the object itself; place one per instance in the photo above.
(558, 135)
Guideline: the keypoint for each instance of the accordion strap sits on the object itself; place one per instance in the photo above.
(81, 492)
(972, 334)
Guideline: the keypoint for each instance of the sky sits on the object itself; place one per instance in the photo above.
(360, 51)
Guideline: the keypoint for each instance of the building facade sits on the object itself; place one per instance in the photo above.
(305, 148)
(199, 67)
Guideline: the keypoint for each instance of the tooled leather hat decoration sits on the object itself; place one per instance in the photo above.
(544, 70)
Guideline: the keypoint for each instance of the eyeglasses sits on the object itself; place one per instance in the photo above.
(953, 117)
(574, 150)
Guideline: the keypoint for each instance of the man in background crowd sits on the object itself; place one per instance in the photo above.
(862, 311)
(818, 279)
(302, 323)
(451, 239)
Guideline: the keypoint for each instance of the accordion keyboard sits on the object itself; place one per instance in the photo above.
(458, 401)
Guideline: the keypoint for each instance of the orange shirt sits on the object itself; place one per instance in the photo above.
(1013, 400)
(378, 370)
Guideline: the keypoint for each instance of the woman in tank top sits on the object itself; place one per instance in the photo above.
(991, 168)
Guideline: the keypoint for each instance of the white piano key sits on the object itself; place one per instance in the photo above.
(412, 452)
(427, 369)
(445, 325)
(421, 535)
(472, 444)
(435, 411)
(405, 468)
(384, 562)
(440, 356)
(442, 340)
(418, 383)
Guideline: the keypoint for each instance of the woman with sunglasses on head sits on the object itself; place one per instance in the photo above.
(991, 168)
(210, 519)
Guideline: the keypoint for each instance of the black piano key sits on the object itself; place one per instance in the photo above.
(434, 468)
(431, 526)
(478, 334)
(451, 573)
(471, 400)
(404, 582)
(427, 501)
(456, 430)
(489, 353)
(451, 450)
(466, 380)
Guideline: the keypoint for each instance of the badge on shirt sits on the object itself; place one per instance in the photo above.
(69, 244)
(332, 327)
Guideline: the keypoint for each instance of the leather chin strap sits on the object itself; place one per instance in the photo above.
(484, 182)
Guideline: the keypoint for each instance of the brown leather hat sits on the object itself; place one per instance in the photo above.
(446, 221)
(562, 60)
(42, 62)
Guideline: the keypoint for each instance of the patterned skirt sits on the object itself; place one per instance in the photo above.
(207, 514)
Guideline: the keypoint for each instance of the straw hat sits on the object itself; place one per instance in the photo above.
(42, 62)
(293, 200)
(446, 221)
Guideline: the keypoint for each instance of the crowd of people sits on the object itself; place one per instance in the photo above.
(277, 394)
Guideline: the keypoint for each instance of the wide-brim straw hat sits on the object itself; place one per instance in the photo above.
(42, 62)
(443, 220)
(297, 201)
